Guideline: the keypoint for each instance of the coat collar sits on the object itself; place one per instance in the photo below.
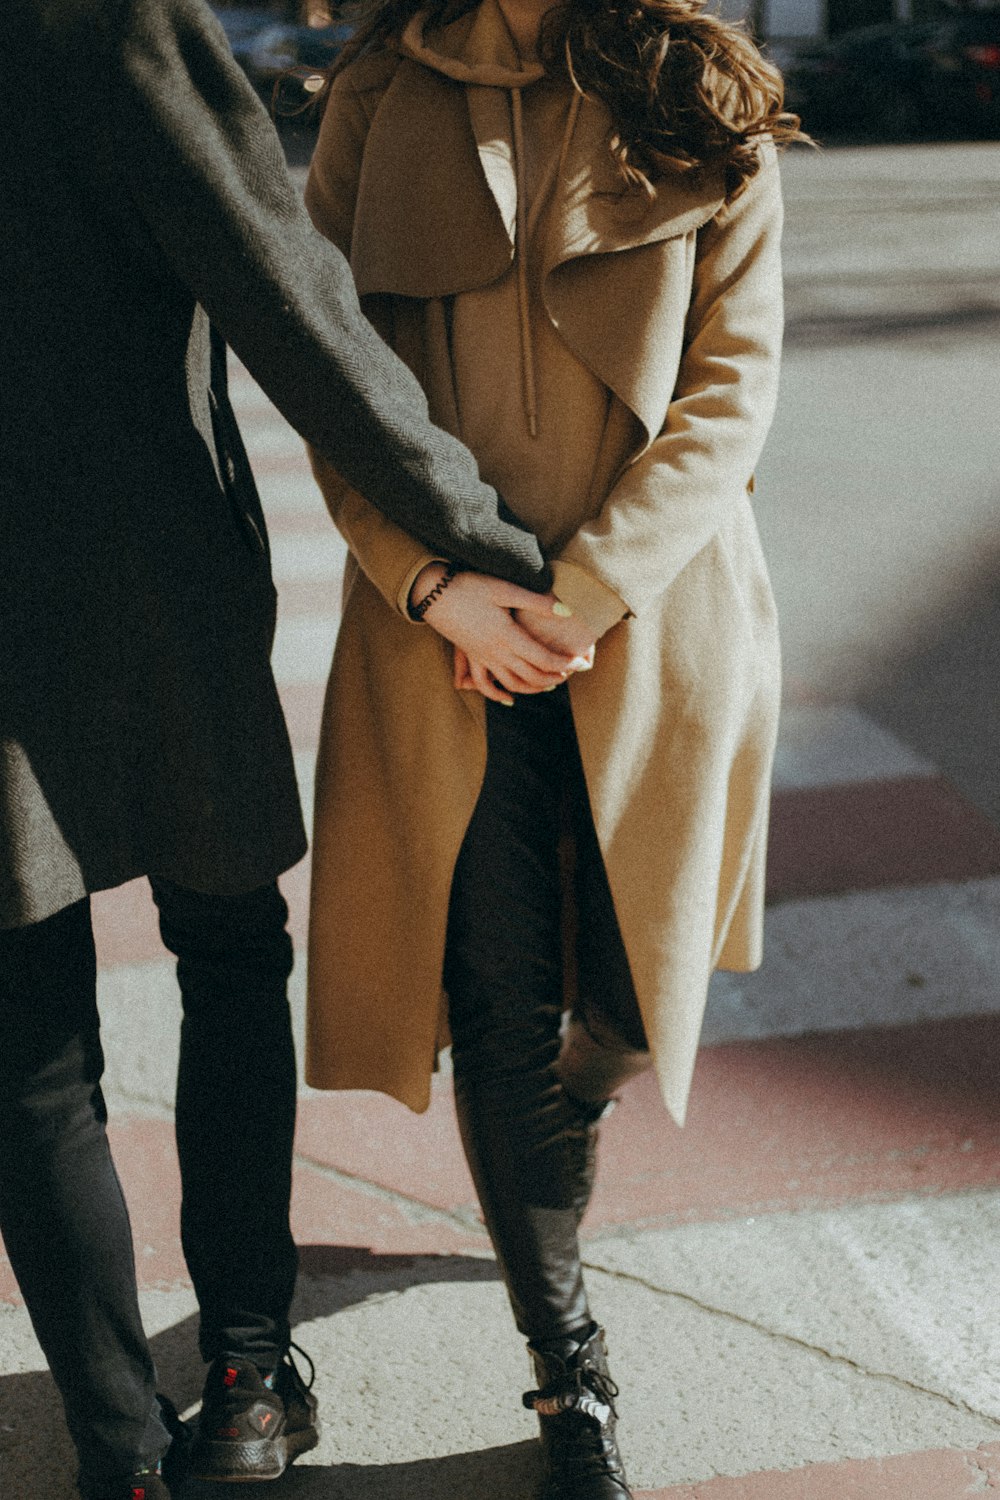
(592, 215)
(440, 155)
(436, 207)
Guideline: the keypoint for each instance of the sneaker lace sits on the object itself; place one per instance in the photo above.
(306, 1384)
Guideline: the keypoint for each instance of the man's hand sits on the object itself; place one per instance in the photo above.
(563, 633)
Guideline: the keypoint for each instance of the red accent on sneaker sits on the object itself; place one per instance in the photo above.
(264, 1418)
(138, 1492)
(227, 1432)
(230, 1377)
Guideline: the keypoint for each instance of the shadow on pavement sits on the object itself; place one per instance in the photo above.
(980, 317)
(506, 1473)
(335, 1277)
(36, 1457)
(940, 696)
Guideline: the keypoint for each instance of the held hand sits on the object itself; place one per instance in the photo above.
(474, 612)
(461, 671)
(471, 676)
(561, 633)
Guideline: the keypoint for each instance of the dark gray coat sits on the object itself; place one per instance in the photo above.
(143, 194)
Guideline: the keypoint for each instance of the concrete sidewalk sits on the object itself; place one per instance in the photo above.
(801, 1289)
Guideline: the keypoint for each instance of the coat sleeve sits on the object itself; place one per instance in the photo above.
(205, 170)
(670, 502)
(387, 554)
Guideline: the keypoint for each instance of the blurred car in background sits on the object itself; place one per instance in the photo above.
(902, 80)
(286, 63)
(861, 82)
(960, 85)
(242, 25)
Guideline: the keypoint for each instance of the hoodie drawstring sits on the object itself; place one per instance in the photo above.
(527, 352)
(523, 228)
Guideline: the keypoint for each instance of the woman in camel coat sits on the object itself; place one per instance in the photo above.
(608, 348)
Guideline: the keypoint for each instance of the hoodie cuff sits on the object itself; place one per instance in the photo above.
(587, 596)
(417, 566)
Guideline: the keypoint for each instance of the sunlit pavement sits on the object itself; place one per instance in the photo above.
(802, 1288)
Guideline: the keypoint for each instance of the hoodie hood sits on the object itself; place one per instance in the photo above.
(476, 49)
(479, 51)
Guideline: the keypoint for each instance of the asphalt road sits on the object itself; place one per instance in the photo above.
(879, 491)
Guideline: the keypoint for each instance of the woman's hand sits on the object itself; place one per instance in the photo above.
(557, 633)
(475, 613)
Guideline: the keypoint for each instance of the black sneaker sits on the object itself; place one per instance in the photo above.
(157, 1481)
(144, 1484)
(148, 1484)
(252, 1426)
(175, 1461)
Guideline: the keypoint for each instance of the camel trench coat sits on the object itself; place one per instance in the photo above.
(675, 305)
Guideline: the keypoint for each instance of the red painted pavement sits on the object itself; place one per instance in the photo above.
(936, 1475)
(126, 930)
(147, 1164)
(909, 831)
(782, 1124)
(823, 841)
(338, 1226)
(810, 1122)
(776, 1125)
(374, 1138)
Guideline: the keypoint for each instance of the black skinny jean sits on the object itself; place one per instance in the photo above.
(523, 1135)
(62, 1215)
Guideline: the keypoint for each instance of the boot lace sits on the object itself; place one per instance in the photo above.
(585, 1390)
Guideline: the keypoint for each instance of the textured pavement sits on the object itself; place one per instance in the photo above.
(802, 1287)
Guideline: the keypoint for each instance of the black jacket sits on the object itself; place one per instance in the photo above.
(143, 195)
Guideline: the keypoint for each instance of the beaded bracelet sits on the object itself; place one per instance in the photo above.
(417, 611)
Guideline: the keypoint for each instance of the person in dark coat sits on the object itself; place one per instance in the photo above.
(146, 220)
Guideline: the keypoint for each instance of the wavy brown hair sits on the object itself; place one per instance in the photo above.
(685, 89)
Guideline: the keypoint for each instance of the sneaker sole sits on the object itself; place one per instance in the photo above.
(251, 1463)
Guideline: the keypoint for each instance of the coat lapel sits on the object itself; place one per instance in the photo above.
(618, 268)
(592, 215)
(436, 212)
(426, 223)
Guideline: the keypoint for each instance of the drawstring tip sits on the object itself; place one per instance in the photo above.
(533, 426)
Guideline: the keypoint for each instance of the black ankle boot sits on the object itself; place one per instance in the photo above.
(576, 1412)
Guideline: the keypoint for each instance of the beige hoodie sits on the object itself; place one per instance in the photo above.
(545, 431)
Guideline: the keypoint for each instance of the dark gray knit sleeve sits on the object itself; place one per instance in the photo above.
(207, 174)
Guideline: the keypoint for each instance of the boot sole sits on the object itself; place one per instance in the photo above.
(251, 1463)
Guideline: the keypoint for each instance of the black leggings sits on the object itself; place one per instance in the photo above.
(524, 1137)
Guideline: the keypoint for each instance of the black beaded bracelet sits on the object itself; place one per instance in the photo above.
(417, 611)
